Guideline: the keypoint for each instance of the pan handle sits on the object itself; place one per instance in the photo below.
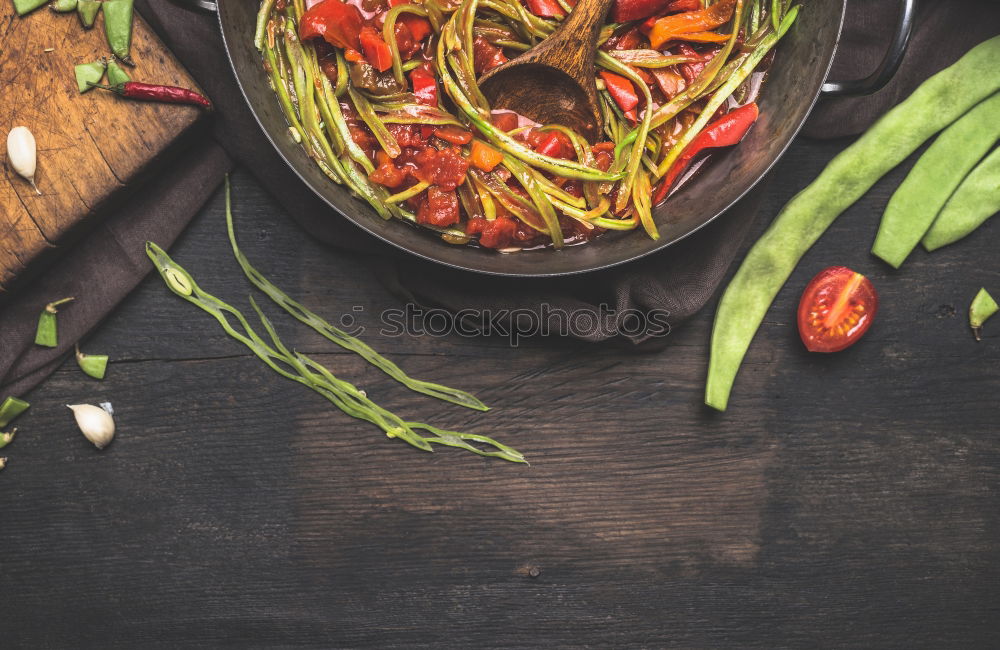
(208, 6)
(890, 62)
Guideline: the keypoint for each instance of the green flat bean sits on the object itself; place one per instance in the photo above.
(23, 7)
(976, 200)
(938, 102)
(47, 333)
(94, 365)
(10, 409)
(983, 306)
(63, 6)
(118, 27)
(336, 335)
(87, 10)
(117, 76)
(300, 368)
(933, 179)
(89, 73)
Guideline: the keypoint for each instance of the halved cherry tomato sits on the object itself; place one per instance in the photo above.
(338, 23)
(836, 309)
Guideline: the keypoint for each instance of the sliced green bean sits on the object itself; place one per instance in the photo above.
(983, 306)
(976, 200)
(260, 30)
(408, 193)
(47, 332)
(118, 27)
(87, 11)
(933, 179)
(11, 408)
(938, 102)
(367, 114)
(94, 365)
(284, 99)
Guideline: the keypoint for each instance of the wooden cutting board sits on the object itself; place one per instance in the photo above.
(91, 147)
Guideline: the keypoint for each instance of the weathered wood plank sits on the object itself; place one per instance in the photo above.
(849, 500)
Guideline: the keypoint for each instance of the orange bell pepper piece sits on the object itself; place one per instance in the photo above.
(484, 157)
(690, 22)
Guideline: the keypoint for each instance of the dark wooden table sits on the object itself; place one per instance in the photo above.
(850, 500)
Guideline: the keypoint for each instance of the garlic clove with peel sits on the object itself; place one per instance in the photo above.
(95, 423)
(22, 153)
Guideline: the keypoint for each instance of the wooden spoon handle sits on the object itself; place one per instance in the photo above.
(571, 47)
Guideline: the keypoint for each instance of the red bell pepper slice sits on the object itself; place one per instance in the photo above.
(424, 86)
(723, 132)
(336, 22)
(375, 49)
(550, 145)
(486, 56)
(545, 8)
(623, 11)
(621, 90)
(419, 26)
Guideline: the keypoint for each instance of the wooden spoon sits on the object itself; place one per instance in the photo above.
(553, 82)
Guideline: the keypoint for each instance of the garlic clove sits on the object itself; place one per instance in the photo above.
(22, 153)
(95, 423)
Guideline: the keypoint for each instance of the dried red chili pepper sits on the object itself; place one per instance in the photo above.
(157, 93)
(723, 132)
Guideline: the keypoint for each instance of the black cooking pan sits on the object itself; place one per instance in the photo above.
(794, 82)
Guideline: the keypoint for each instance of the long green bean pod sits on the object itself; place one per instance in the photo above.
(336, 335)
(306, 371)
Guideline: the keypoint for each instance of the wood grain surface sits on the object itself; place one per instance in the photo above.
(843, 501)
(91, 147)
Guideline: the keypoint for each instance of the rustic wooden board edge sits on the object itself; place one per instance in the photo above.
(85, 171)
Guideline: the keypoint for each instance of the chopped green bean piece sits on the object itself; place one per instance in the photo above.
(983, 306)
(89, 73)
(47, 333)
(23, 7)
(94, 365)
(10, 409)
(87, 10)
(118, 27)
(116, 75)
(63, 6)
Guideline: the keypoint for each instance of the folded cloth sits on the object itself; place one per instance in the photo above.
(677, 284)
